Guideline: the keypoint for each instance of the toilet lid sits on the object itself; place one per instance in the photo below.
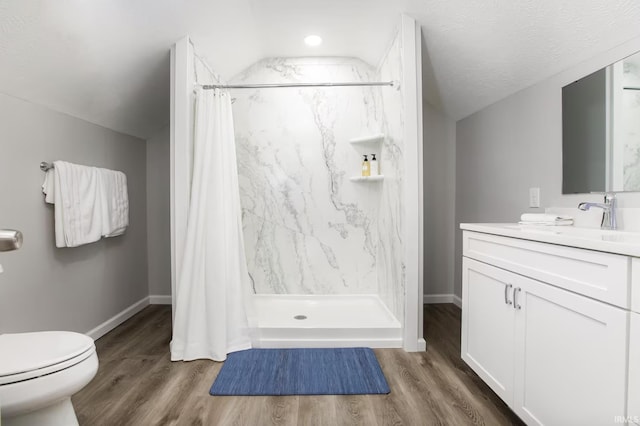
(22, 353)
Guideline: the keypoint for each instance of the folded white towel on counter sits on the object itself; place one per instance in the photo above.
(545, 219)
(89, 203)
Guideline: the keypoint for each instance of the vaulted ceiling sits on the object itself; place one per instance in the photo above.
(107, 61)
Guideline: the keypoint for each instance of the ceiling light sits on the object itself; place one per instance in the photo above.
(313, 40)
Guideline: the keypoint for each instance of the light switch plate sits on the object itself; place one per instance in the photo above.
(534, 197)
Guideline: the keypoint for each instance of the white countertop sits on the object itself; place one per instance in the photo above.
(618, 242)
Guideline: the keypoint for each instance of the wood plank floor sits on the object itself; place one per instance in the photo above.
(137, 384)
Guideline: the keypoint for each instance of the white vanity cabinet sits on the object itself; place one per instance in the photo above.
(633, 400)
(488, 325)
(634, 369)
(555, 356)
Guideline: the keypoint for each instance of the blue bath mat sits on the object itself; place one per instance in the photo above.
(336, 371)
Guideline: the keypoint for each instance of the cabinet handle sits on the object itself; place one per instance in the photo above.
(506, 294)
(516, 305)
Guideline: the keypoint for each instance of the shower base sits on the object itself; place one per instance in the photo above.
(325, 321)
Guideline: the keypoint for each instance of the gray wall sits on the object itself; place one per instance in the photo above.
(515, 144)
(43, 287)
(159, 214)
(439, 201)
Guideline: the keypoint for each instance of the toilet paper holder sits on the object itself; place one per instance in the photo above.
(10, 239)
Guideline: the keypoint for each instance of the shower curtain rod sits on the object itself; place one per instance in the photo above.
(274, 85)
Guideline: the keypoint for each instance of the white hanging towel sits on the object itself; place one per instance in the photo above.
(115, 202)
(89, 203)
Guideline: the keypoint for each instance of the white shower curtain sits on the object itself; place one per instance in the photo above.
(212, 293)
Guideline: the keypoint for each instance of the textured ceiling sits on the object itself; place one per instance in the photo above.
(107, 61)
(483, 51)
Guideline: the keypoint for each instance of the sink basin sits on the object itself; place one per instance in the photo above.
(572, 231)
(620, 242)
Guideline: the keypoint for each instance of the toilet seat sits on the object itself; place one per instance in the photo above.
(25, 356)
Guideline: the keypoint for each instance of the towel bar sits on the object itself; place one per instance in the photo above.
(44, 166)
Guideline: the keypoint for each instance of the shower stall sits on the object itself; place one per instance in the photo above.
(334, 259)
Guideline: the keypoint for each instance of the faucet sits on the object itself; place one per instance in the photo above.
(608, 211)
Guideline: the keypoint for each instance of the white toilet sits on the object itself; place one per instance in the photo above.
(38, 374)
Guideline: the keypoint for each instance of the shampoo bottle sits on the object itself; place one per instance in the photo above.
(366, 167)
(373, 166)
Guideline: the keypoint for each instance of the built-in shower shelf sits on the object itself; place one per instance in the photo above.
(373, 140)
(366, 178)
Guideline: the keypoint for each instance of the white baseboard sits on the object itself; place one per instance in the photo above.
(457, 301)
(118, 319)
(156, 299)
(442, 298)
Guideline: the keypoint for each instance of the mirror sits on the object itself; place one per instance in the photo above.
(601, 130)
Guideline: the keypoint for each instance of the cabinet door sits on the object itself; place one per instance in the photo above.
(570, 364)
(634, 369)
(488, 325)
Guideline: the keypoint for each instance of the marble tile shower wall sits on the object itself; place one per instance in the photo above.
(389, 255)
(308, 229)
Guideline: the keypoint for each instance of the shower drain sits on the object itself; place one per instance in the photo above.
(300, 317)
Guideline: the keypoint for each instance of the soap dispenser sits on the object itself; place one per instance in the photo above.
(366, 167)
(373, 166)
